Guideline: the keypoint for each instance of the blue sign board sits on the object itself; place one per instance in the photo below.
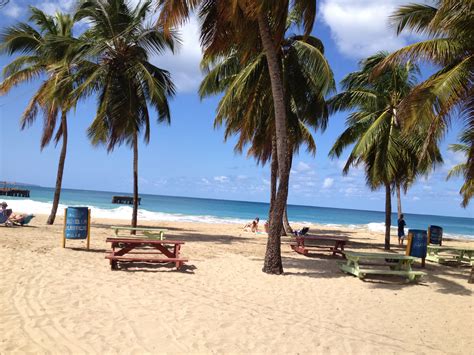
(435, 235)
(417, 243)
(77, 223)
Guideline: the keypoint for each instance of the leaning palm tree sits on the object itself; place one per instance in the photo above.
(449, 91)
(254, 27)
(117, 67)
(246, 108)
(45, 50)
(387, 155)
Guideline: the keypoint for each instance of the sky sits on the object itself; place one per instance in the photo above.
(190, 158)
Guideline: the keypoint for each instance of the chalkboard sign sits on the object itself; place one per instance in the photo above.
(435, 235)
(76, 224)
(417, 244)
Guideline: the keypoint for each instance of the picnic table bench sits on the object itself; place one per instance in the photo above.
(303, 244)
(450, 254)
(358, 264)
(149, 232)
(144, 250)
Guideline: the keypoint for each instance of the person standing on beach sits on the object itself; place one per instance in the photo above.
(401, 230)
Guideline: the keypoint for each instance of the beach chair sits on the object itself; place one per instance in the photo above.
(4, 217)
(23, 221)
(301, 232)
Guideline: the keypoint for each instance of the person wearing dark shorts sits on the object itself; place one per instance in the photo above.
(401, 230)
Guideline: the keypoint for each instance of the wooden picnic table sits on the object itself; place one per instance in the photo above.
(303, 244)
(360, 264)
(450, 254)
(149, 232)
(144, 250)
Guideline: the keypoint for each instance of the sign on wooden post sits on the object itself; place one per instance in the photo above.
(435, 235)
(77, 222)
(417, 245)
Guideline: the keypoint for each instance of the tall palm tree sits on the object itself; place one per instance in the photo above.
(117, 67)
(449, 91)
(246, 108)
(45, 50)
(253, 26)
(388, 156)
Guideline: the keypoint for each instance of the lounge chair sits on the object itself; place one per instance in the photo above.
(24, 220)
(301, 232)
(4, 215)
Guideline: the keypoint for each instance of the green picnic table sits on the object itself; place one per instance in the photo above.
(361, 264)
(450, 254)
(149, 232)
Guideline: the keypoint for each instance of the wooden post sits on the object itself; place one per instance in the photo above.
(88, 228)
(64, 228)
(409, 240)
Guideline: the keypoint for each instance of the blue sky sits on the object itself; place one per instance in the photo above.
(189, 157)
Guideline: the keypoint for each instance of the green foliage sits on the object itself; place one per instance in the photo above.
(246, 108)
(449, 91)
(116, 65)
(374, 128)
(45, 50)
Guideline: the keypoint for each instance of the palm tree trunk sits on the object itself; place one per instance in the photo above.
(135, 182)
(273, 177)
(399, 200)
(286, 225)
(273, 264)
(59, 177)
(388, 215)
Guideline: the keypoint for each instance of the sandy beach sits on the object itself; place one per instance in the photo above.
(56, 300)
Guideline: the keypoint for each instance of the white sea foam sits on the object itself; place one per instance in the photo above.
(122, 212)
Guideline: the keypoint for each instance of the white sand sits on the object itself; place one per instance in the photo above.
(55, 300)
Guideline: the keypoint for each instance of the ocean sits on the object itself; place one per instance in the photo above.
(171, 208)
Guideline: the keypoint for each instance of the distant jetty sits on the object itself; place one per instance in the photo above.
(124, 200)
(5, 190)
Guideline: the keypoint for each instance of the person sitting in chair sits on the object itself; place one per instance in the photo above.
(12, 218)
(252, 226)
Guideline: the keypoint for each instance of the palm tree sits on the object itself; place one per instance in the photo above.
(44, 50)
(387, 156)
(254, 27)
(448, 25)
(246, 107)
(467, 189)
(117, 67)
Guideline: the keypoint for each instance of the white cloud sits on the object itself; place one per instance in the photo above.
(328, 182)
(221, 178)
(12, 10)
(302, 166)
(184, 65)
(51, 7)
(360, 27)
(416, 198)
(205, 181)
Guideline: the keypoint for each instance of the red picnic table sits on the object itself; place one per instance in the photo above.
(306, 243)
(144, 250)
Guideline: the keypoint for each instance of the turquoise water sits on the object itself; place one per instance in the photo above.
(172, 208)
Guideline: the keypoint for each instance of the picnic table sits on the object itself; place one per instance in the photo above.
(450, 254)
(144, 250)
(148, 232)
(360, 265)
(303, 244)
